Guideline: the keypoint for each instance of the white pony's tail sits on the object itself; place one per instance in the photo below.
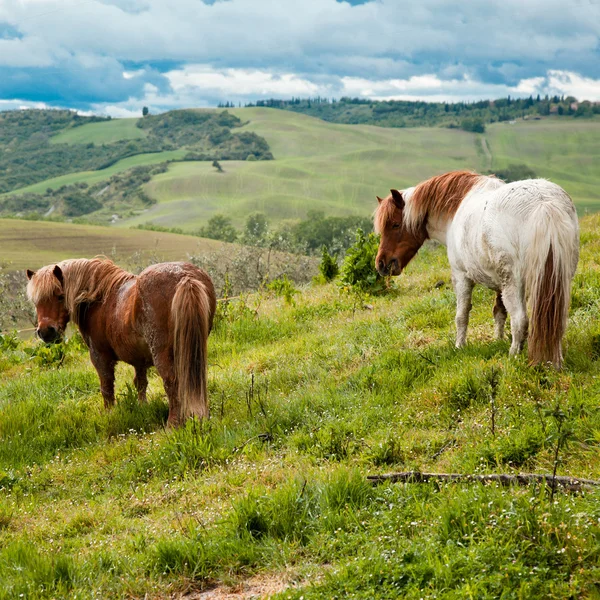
(551, 262)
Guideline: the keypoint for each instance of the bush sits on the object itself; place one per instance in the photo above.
(328, 267)
(358, 270)
(283, 288)
(516, 173)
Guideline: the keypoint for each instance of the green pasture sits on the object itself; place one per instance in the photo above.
(566, 152)
(32, 244)
(91, 177)
(318, 166)
(103, 132)
(270, 498)
(340, 168)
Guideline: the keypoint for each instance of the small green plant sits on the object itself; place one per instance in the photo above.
(358, 272)
(283, 288)
(328, 267)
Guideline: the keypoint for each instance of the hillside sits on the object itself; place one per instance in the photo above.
(470, 116)
(36, 145)
(319, 166)
(32, 244)
(307, 400)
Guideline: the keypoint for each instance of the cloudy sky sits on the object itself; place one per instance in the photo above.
(114, 56)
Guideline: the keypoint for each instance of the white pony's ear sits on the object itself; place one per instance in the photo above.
(397, 198)
(58, 273)
(30, 273)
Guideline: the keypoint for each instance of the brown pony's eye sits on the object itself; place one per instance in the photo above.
(396, 226)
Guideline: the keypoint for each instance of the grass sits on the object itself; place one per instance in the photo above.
(32, 244)
(318, 165)
(339, 168)
(105, 132)
(564, 152)
(91, 177)
(306, 400)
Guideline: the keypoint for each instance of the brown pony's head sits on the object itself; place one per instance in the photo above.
(45, 290)
(399, 243)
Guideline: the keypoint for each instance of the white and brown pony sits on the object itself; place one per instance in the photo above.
(520, 239)
(161, 317)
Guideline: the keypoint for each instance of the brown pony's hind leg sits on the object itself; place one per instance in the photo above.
(105, 366)
(499, 316)
(141, 382)
(163, 361)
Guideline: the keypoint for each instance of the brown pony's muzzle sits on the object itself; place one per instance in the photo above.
(49, 334)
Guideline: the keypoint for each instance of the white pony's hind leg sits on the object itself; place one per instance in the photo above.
(514, 299)
(499, 316)
(463, 287)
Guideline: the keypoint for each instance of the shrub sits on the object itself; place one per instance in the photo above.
(283, 288)
(328, 267)
(358, 270)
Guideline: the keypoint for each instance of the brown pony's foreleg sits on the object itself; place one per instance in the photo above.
(141, 382)
(499, 316)
(105, 366)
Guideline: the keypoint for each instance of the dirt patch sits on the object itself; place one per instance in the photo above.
(261, 586)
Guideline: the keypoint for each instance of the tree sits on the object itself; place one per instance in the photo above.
(145, 111)
(255, 232)
(217, 166)
(219, 227)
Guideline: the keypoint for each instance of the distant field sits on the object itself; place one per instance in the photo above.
(340, 168)
(91, 177)
(566, 152)
(104, 132)
(335, 168)
(31, 244)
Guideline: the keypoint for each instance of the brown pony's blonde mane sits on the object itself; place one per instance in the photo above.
(439, 196)
(84, 281)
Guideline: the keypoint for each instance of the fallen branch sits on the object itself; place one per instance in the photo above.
(571, 484)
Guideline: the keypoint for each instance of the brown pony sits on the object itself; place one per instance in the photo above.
(161, 317)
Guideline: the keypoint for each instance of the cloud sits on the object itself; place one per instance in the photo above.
(77, 50)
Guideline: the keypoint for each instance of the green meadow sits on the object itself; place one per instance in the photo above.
(32, 244)
(309, 395)
(340, 168)
(91, 177)
(104, 132)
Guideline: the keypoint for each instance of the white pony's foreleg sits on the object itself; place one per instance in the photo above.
(499, 316)
(513, 297)
(463, 288)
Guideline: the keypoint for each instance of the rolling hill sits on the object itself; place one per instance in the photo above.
(331, 167)
(31, 244)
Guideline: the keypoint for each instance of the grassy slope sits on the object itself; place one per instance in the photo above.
(323, 166)
(91, 177)
(105, 132)
(109, 504)
(568, 153)
(31, 244)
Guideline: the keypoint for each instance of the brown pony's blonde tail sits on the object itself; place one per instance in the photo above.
(191, 315)
(555, 251)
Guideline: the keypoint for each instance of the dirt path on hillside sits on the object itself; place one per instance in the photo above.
(487, 152)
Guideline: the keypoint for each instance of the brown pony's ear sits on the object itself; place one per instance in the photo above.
(380, 200)
(57, 272)
(397, 198)
(30, 273)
